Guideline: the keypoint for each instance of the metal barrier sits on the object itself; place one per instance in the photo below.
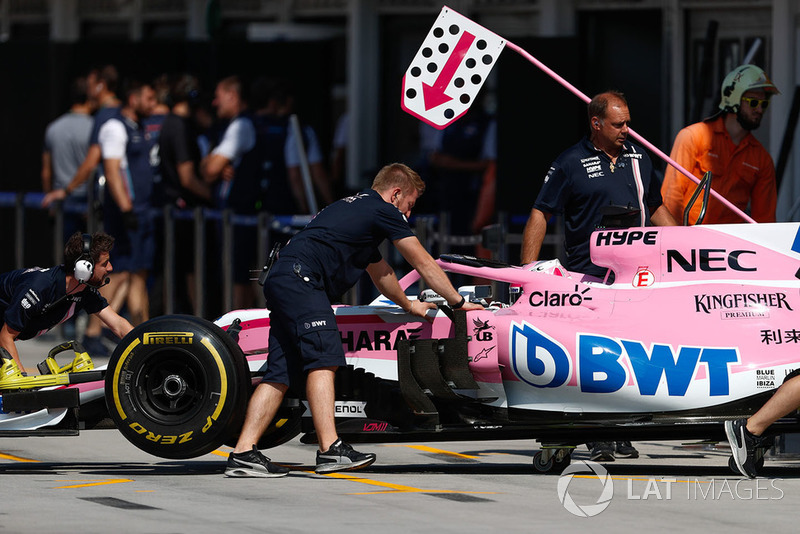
(432, 231)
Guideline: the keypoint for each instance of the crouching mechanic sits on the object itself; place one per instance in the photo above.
(317, 266)
(32, 301)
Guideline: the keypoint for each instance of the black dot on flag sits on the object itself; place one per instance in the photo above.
(427, 52)
(443, 48)
(454, 29)
(464, 98)
(459, 82)
(471, 63)
(476, 79)
(432, 67)
(449, 113)
(411, 94)
(416, 71)
(481, 44)
(487, 59)
(438, 32)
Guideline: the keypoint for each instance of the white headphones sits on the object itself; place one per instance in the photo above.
(84, 267)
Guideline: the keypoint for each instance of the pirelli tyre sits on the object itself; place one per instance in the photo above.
(177, 387)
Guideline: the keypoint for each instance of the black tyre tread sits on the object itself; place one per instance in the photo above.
(233, 409)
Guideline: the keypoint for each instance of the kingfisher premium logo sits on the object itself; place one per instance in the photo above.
(742, 302)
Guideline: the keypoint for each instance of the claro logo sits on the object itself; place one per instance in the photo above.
(709, 260)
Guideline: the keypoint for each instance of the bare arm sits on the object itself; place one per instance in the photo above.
(413, 251)
(212, 166)
(191, 182)
(385, 280)
(662, 217)
(90, 162)
(116, 185)
(118, 324)
(533, 236)
(7, 337)
(320, 178)
(295, 178)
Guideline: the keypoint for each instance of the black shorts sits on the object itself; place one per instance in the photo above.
(303, 334)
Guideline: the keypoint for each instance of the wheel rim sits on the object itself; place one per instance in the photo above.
(171, 386)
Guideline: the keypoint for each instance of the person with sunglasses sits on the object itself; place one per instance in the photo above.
(741, 168)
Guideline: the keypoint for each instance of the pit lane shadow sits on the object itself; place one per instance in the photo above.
(171, 468)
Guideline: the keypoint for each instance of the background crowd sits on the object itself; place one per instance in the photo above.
(128, 147)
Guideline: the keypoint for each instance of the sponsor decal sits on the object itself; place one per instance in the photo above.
(484, 353)
(25, 303)
(168, 338)
(541, 361)
(765, 378)
(737, 301)
(644, 277)
(376, 339)
(554, 299)
(481, 330)
(375, 427)
(744, 314)
(160, 438)
(708, 260)
(778, 337)
(625, 237)
(343, 409)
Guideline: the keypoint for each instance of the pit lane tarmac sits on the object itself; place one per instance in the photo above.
(98, 482)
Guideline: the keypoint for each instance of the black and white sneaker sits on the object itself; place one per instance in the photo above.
(744, 446)
(253, 464)
(341, 457)
(626, 450)
(602, 451)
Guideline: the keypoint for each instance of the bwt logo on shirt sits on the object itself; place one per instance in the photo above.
(315, 324)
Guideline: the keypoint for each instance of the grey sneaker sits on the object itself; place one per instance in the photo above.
(253, 464)
(744, 446)
(602, 451)
(341, 457)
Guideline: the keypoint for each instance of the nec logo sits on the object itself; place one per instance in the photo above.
(709, 259)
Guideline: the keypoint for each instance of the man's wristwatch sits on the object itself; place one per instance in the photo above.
(459, 304)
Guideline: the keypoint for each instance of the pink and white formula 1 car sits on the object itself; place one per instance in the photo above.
(699, 325)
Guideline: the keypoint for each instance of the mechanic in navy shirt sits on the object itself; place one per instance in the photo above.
(317, 266)
(604, 173)
(32, 301)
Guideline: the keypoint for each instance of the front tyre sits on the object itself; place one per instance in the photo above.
(177, 387)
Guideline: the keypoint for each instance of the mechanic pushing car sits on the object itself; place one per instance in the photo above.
(316, 267)
(32, 301)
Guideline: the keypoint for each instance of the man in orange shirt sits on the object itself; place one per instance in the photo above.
(742, 170)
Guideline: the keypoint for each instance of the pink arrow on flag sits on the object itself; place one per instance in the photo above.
(434, 94)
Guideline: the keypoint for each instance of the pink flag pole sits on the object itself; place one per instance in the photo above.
(547, 70)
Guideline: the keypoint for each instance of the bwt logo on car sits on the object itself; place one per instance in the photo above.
(541, 361)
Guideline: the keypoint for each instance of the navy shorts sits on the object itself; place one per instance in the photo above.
(134, 250)
(303, 334)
